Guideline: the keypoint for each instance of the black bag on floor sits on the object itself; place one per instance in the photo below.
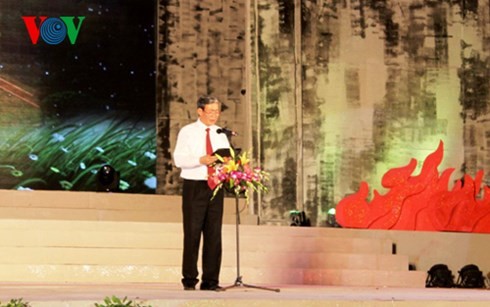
(439, 276)
(470, 276)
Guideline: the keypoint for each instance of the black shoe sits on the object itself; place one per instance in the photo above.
(206, 287)
(189, 283)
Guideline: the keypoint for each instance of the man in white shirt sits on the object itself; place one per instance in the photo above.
(201, 215)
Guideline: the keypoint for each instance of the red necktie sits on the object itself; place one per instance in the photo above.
(209, 151)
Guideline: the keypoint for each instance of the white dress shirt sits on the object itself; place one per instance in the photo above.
(191, 145)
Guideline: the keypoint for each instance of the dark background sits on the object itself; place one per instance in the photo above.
(110, 67)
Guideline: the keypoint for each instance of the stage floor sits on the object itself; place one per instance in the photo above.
(160, 295)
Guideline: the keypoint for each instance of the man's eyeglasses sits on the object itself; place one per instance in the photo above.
(209, 112)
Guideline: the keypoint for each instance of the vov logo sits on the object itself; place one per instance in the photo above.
(53, 30)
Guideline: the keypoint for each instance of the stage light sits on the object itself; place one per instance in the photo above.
(470, 276)
(107, 179)
(331, 220)
(298, 218)
(439, 276)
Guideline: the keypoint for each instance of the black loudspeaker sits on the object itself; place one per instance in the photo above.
(107, 179)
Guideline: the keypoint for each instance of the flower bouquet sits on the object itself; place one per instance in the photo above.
(236, 175)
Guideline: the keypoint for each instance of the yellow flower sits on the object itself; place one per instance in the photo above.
(230, 166)
(244, 160)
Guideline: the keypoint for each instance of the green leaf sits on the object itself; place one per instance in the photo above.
(115, 301)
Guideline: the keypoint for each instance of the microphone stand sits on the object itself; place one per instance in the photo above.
(238, 281)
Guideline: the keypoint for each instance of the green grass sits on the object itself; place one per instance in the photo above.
(67, 156)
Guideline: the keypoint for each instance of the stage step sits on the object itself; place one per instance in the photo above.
(110, 251)
(69, 273)
(102, 206)
(162, 257)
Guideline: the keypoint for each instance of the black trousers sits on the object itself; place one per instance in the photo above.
(201, 216)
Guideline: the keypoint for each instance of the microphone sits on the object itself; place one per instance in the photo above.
(226, 131)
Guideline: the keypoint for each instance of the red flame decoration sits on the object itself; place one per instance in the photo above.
(421, 202)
